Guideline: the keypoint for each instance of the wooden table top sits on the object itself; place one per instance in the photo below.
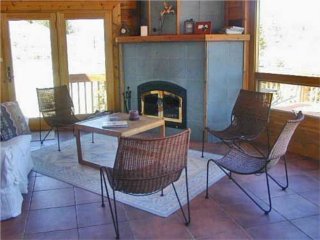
(134, 127)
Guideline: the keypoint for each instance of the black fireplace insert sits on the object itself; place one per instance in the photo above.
(163, 99)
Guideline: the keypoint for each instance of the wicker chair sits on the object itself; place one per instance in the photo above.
(249, 119)
(146, 166)
(56, 107)
(241, 163)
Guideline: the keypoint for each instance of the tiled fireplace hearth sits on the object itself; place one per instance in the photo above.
(210, 72)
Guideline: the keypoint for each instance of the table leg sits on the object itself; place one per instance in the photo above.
(163, 131)
(79, 151)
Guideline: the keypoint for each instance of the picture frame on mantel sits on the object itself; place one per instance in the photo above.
(158, 24)
(202, 27)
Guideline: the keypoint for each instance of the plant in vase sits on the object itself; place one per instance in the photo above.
(167, 9)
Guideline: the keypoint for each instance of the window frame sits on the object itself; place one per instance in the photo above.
(106, 16)
(258, 77)
(6, 48)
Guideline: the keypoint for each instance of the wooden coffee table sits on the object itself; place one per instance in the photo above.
(134, 127)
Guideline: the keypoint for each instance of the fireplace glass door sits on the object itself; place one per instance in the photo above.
(172, 110)
(162, 104)
(151, 104)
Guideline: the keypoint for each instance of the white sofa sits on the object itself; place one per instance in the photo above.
(16, 163)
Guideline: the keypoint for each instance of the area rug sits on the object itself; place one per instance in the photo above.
(64, 166)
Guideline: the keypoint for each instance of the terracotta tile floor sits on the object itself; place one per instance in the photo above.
(56, 210)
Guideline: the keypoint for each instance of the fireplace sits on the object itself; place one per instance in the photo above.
(163, 99)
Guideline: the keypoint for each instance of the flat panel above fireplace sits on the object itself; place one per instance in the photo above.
(165, 100)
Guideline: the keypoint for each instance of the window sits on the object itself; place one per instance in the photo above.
(86, 64)
(291, 97)
(31, 58)
(288, 45)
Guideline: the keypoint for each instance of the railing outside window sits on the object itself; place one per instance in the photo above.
(290, 97)
(88, 95)
(288, 59)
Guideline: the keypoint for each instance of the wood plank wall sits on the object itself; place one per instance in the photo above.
(306, 139)
(129, 10)
(236, 13)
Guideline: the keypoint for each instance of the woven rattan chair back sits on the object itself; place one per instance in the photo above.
(149, 165)
(146, 166)
(56, 106)
(280, 146)
(249, 119)
(250, 113)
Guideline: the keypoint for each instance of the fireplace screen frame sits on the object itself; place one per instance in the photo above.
(162, 88)
(161, 95)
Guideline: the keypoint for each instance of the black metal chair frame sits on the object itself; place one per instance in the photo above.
(236, 141)
(75, 119)
(57, 130)
(264, 168)
(113, 210)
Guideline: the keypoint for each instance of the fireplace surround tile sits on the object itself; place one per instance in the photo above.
(190, 65)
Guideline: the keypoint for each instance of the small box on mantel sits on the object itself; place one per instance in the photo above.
(202, 27)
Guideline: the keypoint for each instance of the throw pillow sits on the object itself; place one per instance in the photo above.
(13, 122)
(8, 130)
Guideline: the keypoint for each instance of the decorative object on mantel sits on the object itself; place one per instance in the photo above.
(143, 31)
(124, 30)
(202, 27)
(189, 26)
(234, 30)
(127, 99)
(167, 9)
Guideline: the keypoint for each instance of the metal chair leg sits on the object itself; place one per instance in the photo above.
(187, 219)
(114, 215)
(40, 128)
(286, 170)
(188, 199)
(269, 195)
(265, 210)
(101, 186)
(45, 137)
(202, 150)
(207, 186)
(283, 187)
(58, 140)
(268, 138)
